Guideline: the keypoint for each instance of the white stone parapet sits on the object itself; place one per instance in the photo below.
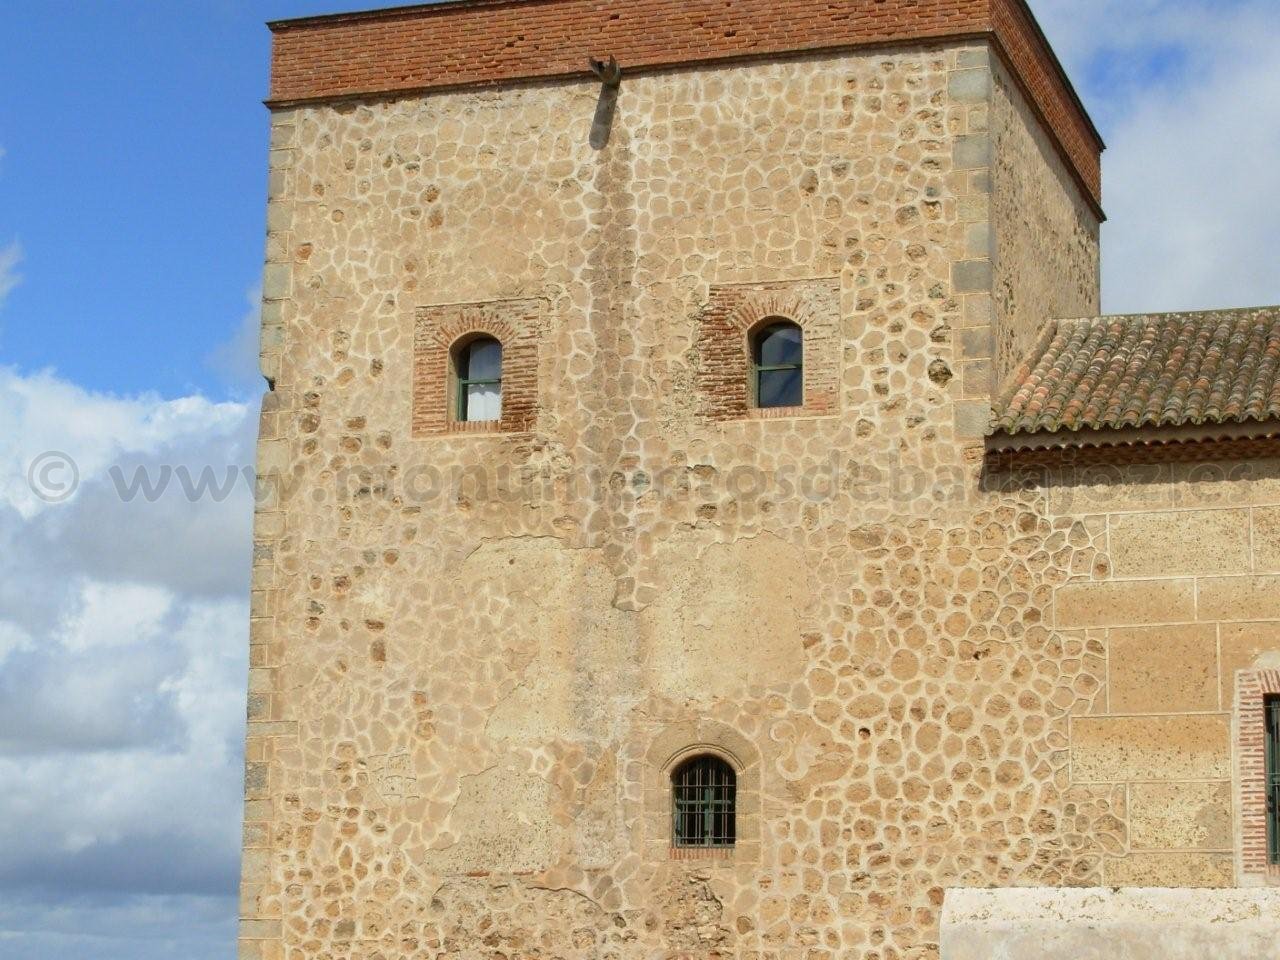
(1111, 924)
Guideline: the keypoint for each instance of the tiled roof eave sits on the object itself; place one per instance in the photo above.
(1005, 442)
(1145, 372)
(1068, 434)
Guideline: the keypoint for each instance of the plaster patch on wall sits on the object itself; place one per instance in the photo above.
(571, 653)
(730, 619)
(506, 825)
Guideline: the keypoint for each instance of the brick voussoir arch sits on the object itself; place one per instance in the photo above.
(467, 328)
(753, 315)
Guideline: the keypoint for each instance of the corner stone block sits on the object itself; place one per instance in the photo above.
(1240, 598)
(976, 343)
(1163, 669)
(973, 208)
(972, 418)
(971, 276)
(260, 950)
(1119, 749)
(974, 57)
(260, 929)
(255, 865)
(1180, 543)
(277, 281)
(271, 338)
(1124, 603)
(979, 241)
(273, 457)
(279, 216)
(259, 810)
(256, 779)
(976, 378)
(979, 310)
(969, 86)
(972, 151)
(282, 135)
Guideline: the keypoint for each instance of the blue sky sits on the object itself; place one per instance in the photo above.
(132, 183)
(133, 179)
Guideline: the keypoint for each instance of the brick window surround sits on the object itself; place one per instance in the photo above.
(732, 316)
(670, 749)
(1253, 687)
(516, 324)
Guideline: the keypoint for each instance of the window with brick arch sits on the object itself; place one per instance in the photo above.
(777, 365)
(478, 371)
(704, 803)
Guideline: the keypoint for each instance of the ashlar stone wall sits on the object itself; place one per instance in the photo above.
(1186, 598)
(476, 656)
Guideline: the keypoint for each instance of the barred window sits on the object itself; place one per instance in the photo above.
(704, 794)
(777, 354)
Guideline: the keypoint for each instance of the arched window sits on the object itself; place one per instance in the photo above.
(777, 354)
(478, 364)
(703, 800)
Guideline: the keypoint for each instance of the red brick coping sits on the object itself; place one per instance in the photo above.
(470, 43)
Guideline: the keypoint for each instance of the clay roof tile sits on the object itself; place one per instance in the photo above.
(1152, 370)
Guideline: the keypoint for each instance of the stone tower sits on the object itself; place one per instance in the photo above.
(622, 433)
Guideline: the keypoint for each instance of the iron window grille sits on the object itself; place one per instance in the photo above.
(479, 369)
(777, 355)
(1272, 711)
(704, 797)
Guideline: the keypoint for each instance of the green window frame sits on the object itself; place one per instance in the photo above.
(1271, 710)
(777, 365)
(467, 378)
(704, 797)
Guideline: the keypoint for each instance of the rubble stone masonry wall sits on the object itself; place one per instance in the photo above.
(476, 656)
(1043, 233)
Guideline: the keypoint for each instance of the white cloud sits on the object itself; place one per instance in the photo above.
(10, 257)
(114, 615)
(123, 648)
(42, 413)
(1186, 92)
(237, 358)
(12, 637)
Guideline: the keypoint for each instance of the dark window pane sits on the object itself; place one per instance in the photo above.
(483, 360)
(703, 793)
(780, 344)
(1272, 714)
(781, 388)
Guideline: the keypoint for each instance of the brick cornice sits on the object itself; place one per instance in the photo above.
(477, 43)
